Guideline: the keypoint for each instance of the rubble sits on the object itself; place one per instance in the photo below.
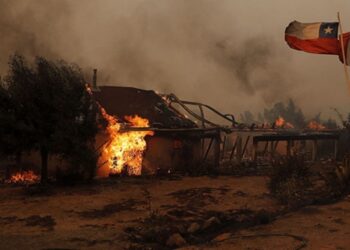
(222, 237)
(193, 228)
(176, 240)
(210, 223)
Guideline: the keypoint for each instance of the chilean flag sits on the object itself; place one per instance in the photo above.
(318, 38)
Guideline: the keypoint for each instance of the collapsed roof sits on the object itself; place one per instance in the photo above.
(122, 101)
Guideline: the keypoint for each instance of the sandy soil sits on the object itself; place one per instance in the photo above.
(319, 227)
(97, 216)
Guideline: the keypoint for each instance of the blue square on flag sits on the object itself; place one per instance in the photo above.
(329, 30)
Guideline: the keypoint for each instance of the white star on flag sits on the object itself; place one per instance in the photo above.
(328, 30)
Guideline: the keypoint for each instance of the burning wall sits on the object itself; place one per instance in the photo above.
(123, 151)
(126, 151)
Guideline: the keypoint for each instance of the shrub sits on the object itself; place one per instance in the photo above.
(289, 179)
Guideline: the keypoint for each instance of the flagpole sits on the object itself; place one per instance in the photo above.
(343, 52)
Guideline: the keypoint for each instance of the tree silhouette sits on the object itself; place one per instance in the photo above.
(61, 116)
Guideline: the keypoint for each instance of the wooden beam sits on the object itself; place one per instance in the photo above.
(217, 143)
(295, 137)
(223, 148)
(208, 149)
(233, 148)
(239, 149)
(245, 146)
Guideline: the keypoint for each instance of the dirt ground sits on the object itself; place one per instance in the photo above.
(116, 214)
(316, 227)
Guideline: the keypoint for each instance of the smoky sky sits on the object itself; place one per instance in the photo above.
(229, 54)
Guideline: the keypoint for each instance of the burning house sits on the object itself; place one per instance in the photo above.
(144, 134)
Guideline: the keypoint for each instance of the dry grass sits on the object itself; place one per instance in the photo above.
(289, 180)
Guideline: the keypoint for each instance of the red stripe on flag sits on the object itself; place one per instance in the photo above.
(317, 46)
(346, 37)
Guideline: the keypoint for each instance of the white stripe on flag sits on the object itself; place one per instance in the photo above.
(303, 30)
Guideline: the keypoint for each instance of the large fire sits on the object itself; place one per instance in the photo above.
(124, 151)
(24, 177)
(315, 125)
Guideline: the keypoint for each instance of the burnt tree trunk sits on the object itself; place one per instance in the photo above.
(44, 164)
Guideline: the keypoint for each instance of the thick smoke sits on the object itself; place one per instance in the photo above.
(256, 67)
(198, 49)
(28, 28)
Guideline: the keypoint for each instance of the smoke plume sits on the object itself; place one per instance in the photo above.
(201, 50)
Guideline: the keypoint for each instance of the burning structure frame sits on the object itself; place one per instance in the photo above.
(215, 138)
(233, 142)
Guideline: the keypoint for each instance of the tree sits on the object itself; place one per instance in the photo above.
(7, 122)
(290, 112)
(330, 124)
(295, 115)
(261, 118)
(14, 130)
(53, 100)
(247, 117)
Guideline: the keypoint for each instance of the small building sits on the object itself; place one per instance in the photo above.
(176, 143)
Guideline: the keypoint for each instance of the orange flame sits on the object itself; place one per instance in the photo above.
(124, 152)
(281, 122)
(24, 177)
(315, 125)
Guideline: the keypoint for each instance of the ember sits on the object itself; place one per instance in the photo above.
(24, 177)
(315, 125)
(88, 89)
(124, 152)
